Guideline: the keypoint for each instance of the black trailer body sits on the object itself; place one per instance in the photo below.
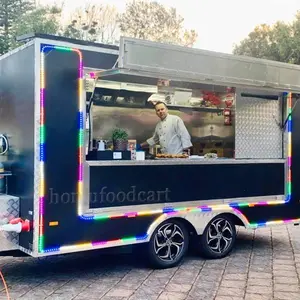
(17, 92)
(74, 203)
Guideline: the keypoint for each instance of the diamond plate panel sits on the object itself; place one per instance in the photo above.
(36, 177)
(258, 134)
(9, 209)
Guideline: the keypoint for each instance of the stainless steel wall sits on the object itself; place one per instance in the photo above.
(258, 133)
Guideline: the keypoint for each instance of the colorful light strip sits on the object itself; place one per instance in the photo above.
(170, 210)
(289, 148)
(45, 49)
(140, 239)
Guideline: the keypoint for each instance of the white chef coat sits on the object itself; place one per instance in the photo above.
(172, 135)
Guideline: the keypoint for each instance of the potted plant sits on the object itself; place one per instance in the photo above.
(120, 139)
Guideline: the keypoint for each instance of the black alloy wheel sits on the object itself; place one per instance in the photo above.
(218, 238)
(168, 244)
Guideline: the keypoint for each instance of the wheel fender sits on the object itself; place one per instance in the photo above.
(198, 220)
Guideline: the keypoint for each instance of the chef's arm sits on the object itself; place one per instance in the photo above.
(184, 135)
(151, 141)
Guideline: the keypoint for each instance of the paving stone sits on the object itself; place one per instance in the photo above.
(212, 278)
(113, 298)
(206, 285)
(283, 262)
(261, 275)
(286, 280)
(172, 296)
(227, 298)
(260, 282)
(235, 277)
(258, 297)
(225, 291)
(284, 268)
(230, 270)
(286, 287)
(263, 290)
(285, 296)
(120, 292)
(184, 277)
(86, 296)
(138, 296)
(233, 284)
(146, 291)
(180, 288)
(60, 296)
(282, 273)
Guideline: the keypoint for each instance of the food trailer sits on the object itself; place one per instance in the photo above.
(73, 113)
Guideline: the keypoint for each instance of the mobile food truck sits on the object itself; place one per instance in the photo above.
(72, 113)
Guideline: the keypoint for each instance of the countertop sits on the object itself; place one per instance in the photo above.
(181, 161)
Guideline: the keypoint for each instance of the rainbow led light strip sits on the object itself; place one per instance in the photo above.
(45, 49)
(162, 212)
(289, 154)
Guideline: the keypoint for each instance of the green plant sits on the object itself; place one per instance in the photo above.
(119, 134)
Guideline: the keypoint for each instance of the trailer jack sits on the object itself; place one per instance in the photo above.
(16, 225)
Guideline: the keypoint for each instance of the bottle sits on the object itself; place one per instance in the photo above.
(101, 145)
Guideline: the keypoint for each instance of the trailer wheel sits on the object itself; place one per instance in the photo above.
(218, 238)
(168, 244)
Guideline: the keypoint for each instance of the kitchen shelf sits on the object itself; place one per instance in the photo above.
(171, 107)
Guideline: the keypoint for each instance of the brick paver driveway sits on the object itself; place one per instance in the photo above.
(265, 265)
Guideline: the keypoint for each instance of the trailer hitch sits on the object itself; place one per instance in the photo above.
(16, 225)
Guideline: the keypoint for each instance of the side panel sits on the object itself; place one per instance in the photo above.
(113, 186)
(59, 144)
(17, 121)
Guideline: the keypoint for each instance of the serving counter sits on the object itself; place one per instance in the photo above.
(179, 161)
(123, 183)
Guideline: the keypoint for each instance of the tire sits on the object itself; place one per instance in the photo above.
(165, 251)
(218, 238)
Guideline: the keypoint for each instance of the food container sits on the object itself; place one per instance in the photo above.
(140, 155)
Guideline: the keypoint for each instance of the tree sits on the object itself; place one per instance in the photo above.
(97, 23)
(44, 19)
(10, 14)
(155, 22)
(280, 42)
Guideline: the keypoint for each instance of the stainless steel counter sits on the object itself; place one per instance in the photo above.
(182, 162)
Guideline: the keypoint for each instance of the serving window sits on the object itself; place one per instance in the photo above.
(208, 113)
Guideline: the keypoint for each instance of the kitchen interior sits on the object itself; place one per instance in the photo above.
(121, 116)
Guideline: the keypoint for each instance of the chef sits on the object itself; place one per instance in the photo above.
(170, 132)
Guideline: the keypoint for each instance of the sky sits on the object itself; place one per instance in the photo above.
(220, 23)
